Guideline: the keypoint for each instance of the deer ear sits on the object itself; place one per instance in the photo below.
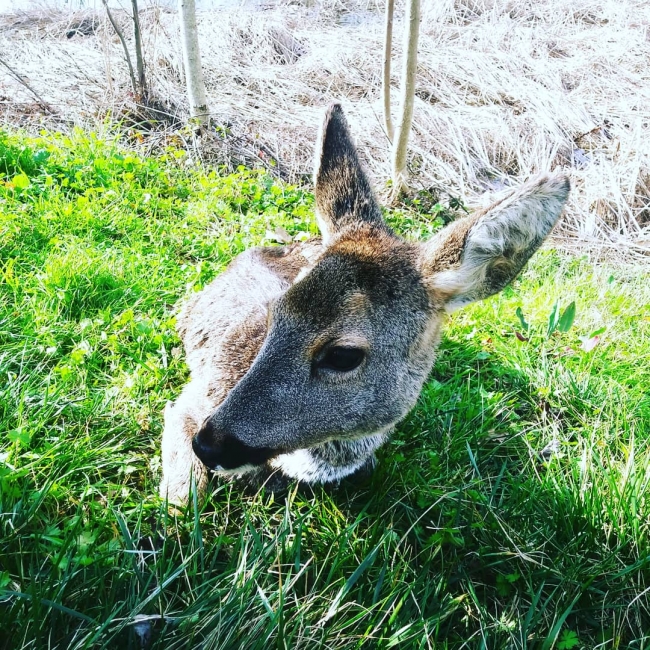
(476, 257)
(342, 190)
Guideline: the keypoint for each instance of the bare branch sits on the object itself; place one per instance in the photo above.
(118, 31)
(42, 103)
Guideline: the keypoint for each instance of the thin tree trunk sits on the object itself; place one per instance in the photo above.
(118, 31)
(412, 30)
(388, 44)
(192, 60)
(139, 57)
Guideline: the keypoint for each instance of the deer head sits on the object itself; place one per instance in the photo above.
(351, 342)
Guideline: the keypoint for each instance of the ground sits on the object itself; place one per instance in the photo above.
(510, 509)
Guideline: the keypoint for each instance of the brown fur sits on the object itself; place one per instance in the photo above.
(266, 340)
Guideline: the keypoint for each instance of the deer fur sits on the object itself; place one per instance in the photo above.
(303, 358)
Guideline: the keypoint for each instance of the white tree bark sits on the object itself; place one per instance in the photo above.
(400, 143)
(192, 61)
(388, 44)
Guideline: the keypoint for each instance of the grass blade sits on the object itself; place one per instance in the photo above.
(349, 583)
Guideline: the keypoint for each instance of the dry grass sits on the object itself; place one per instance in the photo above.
(505, 89)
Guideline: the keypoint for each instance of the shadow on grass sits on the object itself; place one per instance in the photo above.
(462, 537)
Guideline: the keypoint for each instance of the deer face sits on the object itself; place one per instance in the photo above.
(350, 343)
(342, 358)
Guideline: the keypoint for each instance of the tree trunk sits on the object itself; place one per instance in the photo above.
(139, 56)
(388, 43)
(411, 31)
(192, 61)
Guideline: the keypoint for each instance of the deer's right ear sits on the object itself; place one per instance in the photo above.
(343, 193)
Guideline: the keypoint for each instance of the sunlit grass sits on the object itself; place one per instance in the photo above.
(509, 511)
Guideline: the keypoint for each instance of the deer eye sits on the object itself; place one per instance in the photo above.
(341, 359)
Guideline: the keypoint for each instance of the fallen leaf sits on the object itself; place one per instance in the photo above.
(552, 449)
(588, 344)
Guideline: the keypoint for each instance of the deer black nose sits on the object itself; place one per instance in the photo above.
(218, 449)
(207, 452)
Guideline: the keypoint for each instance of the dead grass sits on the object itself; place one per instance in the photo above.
(505, 89)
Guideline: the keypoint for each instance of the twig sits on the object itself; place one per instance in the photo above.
(43, 104)
(118, 31)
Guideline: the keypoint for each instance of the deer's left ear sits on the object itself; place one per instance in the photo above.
(342, 190)
(477, 256)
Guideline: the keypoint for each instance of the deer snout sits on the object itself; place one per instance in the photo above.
(218, 449)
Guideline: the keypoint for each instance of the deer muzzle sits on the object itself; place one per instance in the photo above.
(219, 450)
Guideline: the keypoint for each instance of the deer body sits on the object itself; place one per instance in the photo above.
(303, 358)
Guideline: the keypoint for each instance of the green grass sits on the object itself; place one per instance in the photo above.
(464, 537)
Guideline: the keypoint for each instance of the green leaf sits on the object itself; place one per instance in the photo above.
(553, 634)
(513, 577)
(567, 318)
(568, 639)
(41, 156)
(20, 181)
(503, 586)
(19, 436)
(520, 315)
(85, 539)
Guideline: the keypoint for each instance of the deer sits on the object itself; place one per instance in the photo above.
(303, 358)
